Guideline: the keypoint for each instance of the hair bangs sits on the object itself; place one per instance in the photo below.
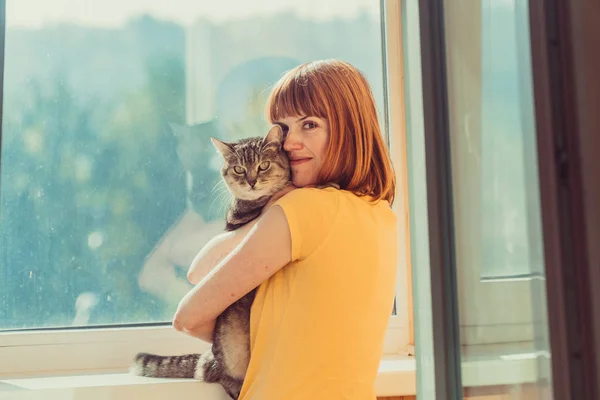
(296, 95)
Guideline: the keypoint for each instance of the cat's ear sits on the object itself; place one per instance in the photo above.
(224, 148)
(273, 137)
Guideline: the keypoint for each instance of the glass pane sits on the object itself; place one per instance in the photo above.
(417, 200)
(109, 183)
(502, 310)
(506, 114)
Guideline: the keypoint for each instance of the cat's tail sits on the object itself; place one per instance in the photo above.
(155, 366)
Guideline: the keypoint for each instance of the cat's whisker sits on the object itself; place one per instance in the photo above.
(224, 206)
(221, 199)
(223, 196)
(219, 187)
(222, 209)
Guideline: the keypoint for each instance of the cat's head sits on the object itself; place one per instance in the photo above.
(255, 167)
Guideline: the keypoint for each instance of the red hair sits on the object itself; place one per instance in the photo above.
(356, 158)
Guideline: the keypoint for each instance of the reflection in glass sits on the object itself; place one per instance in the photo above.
(502, 307)
(109, 182)
(417, 200)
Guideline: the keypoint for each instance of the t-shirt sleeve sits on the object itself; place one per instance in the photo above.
(310, 214)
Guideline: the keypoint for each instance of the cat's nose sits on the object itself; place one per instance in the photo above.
(252, 183)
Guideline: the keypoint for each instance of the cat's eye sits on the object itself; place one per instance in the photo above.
(264, 166)
(238, 170)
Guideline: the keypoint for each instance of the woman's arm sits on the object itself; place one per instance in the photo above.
(265, 250)
(203, 332)
(215, 251)
(221, 245)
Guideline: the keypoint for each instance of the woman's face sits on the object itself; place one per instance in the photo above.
(306, 140)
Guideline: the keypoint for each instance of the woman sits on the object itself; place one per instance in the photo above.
(325, 259)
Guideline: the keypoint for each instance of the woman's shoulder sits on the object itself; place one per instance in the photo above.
(330, 198)
(379, 209)
(320, 204)
(334, 195)
(313, 194)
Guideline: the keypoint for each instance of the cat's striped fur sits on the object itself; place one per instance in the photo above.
(254, 169)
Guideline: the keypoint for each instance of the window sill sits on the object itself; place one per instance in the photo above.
(503, 364)
(396, 377)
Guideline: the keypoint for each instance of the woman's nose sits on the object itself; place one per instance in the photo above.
(292, 141)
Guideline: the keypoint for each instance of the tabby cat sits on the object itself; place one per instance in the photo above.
(254, 169)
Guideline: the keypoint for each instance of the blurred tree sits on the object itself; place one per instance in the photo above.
(87, 189)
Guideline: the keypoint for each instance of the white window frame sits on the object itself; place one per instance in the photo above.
(111, 350)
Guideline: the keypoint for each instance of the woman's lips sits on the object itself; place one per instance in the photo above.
(299, 161)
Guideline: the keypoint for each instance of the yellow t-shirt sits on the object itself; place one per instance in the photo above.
(317, 326)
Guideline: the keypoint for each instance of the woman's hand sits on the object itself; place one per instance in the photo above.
(244, 269)
(277, 196)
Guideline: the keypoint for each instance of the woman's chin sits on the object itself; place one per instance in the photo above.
(303, 181)
(297, 182)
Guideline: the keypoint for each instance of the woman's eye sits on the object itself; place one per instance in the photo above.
(238, 170)
(309, 125)
(264, 166)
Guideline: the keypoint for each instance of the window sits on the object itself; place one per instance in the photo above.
(481, 301)
(494, 169)
(507, 190)
(109, 183)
